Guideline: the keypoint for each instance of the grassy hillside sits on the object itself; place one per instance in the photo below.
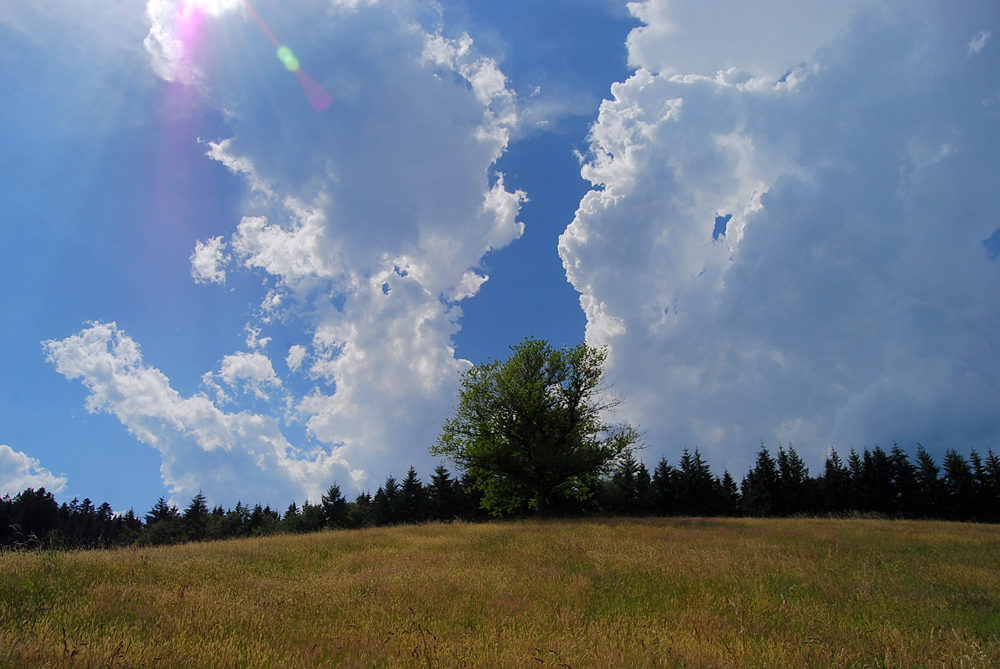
(738, 593)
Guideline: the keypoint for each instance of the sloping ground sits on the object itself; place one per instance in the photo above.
(664, 592)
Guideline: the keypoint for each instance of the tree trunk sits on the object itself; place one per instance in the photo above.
(540, 504)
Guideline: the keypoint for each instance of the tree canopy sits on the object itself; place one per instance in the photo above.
(531, 429)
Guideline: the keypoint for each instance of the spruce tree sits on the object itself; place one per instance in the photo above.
(759, 486)
(928, 486)
(904, 478)
(412, 506)
(835, 485)
(664, 489)
(334, 507)
(442, 498)
(959, 486)
(195, 516)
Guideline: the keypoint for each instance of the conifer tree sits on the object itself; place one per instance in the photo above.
(386, 503)
(959, 486)
(904, 478)
(730, 495)
(334, 507)
(195, 517)
(699, 490)
(877, 486)
(990, 487)
(792, 490)
(835, 485)
(442, 496)
(759, 486)
(665, 489)
(412, 505)
(928, 486)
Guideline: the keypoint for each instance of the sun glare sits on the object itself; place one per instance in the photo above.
(210, 7)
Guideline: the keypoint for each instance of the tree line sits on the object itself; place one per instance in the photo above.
(877, 482)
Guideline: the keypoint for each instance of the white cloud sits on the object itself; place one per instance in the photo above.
(251, 371)
(705, 36)
(208, 261)
(19, 471)
(978, 42)
(850, 301)
(230, 456)
(368, 224)
(296, 356)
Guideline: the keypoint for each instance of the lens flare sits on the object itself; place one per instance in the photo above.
(318, 97)
(210, 7)
(286, 56)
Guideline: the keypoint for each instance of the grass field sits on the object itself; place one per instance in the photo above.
(591, 593)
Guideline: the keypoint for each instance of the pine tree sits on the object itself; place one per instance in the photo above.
(334, 507)
(904, 478)
(835, 485)
(856, 469)
(620, 492)
(643, 489)
(195, 516)
(361, 512)
(699, 490)
(442, 496)
(760, 485)
(792, 490)
(730, 495)
(959, 486)
(991, 487)
(412, 507)
(664, 489)
(313, 517)
(386, 503)
(928, 486)
(877, 489)
(161, 511)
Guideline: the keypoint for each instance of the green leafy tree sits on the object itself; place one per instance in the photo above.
(530, 430)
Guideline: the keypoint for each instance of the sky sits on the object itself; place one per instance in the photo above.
(780, 218)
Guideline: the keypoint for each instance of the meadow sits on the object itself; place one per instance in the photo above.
(582, 593)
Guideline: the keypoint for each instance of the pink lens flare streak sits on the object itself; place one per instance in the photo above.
(188, 20)
(318, 96)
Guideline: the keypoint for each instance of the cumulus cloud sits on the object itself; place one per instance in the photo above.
(703, 37)
(367, 223)
(208, 261)
(251, 371)
(851, 300)
(296, 356)
(19, 471)
(229, 455)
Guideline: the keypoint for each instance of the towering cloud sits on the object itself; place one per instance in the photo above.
(367, 224)
(799, 258)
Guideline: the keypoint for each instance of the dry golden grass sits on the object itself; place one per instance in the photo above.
(614, 593)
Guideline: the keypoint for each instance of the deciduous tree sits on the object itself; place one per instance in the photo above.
(531, 429)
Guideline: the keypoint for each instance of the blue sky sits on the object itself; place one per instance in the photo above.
(208, 285)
